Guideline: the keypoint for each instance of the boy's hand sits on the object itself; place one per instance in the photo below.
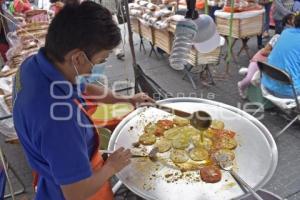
(118, 160)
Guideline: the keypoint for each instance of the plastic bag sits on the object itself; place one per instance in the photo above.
(12, 39)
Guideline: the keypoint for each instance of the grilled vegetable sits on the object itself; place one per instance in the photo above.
(179, 156)
(147, 139)
(179, 121)
(206, 143)
(217, 124)
(173, 133)
(198, 154)
(180, 142)
(225, 143)
(165, 124)
(211, 174)
(163, 145)
(150, 128)
(223, 155)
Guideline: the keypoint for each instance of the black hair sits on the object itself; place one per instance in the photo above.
(69, 2)
(287, 18)
(88, 27)
(54, 1)
(297, 20)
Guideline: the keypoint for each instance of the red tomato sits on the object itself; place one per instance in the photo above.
(210, 174)
(223, 133)
(159, 131)
(165, 124)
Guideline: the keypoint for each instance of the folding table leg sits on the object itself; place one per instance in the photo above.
(245, 47)
(142, 46)
(188, 74)
(187, 70)
(231, 49)
(227, 65)
(153, 50)
(206, 68)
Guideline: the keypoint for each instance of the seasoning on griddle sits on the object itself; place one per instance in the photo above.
(136, 144)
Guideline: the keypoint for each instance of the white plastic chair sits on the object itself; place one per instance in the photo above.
(290, 104)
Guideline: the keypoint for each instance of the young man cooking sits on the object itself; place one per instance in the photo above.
(50, 117)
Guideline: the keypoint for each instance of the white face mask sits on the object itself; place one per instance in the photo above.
(96, 73)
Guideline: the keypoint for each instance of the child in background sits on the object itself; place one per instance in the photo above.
(288, 21)
(262, 56)
(281, 9)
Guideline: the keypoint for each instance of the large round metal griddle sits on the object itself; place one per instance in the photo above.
(256, 155)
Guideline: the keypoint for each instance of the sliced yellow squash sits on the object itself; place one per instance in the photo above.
(150, 128)
(147, 139)
(163, 145)
(206, 143)
(198, 154)
(180, 121)
(217, 124)
(179, 156)
(173, 133)
(180, 142)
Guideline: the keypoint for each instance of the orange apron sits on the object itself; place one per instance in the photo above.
(105, 192)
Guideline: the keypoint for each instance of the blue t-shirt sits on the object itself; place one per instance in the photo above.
(286, 56)
(55, 135)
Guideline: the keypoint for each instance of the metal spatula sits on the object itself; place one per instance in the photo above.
(227, 166)
(152, 154)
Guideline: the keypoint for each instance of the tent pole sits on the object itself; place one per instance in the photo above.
(130, 33)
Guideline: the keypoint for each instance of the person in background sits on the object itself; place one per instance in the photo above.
(288, 21)
(56, 6)
(71, 2)
(281, 9)
(285, 56)
(113, 6)
(262, 56)
(296, 7)
(267, 4)
(50, 110)
(20, 6)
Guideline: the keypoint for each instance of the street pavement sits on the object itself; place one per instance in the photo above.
(286, 180)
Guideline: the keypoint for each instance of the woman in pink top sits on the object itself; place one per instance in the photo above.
(261, 55)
